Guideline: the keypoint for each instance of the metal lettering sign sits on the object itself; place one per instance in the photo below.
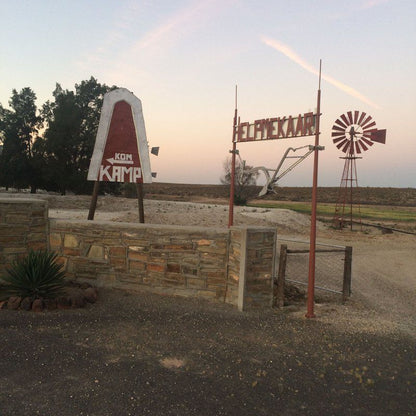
(121, 152)
(277, 128)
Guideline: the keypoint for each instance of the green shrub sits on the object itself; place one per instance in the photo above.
(37, 276)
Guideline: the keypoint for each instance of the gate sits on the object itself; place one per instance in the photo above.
(332, 268)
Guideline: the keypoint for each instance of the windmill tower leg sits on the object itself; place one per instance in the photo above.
(348, 195)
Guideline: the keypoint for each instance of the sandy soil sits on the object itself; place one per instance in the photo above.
(384, 277)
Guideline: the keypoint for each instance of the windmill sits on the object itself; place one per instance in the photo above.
(353, 133)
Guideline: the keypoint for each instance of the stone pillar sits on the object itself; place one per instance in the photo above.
(257, 267)
(23, 226)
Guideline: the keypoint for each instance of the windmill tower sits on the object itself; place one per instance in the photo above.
(352, 133)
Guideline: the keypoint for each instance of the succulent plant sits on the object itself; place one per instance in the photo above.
(37, 276)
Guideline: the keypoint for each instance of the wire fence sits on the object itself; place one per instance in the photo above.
(332, 266)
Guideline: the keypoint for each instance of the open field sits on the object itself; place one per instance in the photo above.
(391, 207)
(367, 195)
(398, 217)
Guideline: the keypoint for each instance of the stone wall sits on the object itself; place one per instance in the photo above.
(189, 261)
(260, 267)
(23, 226)
(233, 265)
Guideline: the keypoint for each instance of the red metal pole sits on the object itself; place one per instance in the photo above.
(232, 179)
(311, 278)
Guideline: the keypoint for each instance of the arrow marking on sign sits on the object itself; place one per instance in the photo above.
(120, 162)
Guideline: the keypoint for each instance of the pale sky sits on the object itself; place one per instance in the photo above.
(183, 58)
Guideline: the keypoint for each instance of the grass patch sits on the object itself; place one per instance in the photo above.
(371, 212)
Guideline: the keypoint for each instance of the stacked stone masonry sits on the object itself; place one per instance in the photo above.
(233, 265)
(23, 226)
(260, 267)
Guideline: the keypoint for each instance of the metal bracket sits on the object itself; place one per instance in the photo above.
(271, 181)
(316, 147)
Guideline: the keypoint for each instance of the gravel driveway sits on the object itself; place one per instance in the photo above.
(140, 353)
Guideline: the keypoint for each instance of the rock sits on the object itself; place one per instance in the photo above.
(26, 304)
(37, 305)
(14, 302)
(91, 294)
(77, 300)
(84, 285)
(50, 304)
(63, 302)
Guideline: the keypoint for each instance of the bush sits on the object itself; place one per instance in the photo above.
(36, 276)
(128, 190)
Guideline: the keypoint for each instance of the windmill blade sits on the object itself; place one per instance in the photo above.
(339, 145)
(367, 120)
(337, 139)
(345, 120)
(348, 146)
(338, 135)
(369, 126)
(361, 119)
(368, 133)
(350, 119)
(338, 128)
(356, 113)
(363, 146)
(357, 147)
(369, 142)
(340, 123)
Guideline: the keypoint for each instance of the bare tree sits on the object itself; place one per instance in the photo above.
(244, 179)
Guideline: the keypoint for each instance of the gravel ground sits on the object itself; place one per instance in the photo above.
(137, 354)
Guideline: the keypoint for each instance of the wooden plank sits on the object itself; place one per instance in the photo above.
(139, 187)
(93, 203)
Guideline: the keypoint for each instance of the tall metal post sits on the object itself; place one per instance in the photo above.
(311, 278)
(232, 179)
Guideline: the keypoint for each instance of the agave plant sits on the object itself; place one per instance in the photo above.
(35, 276)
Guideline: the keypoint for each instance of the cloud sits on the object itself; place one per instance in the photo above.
(292, 55)
(181, 22)
(369, 4)
(125, 44)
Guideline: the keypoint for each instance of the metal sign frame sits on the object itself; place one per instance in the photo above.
(111, 99)
(269, 129)
(121, 151)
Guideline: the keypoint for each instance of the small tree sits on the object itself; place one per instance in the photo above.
(19, 165)
(244, 178)
(72, 123)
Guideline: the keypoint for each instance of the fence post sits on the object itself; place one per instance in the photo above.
(243, 271)
(280, 290)
(346, 286)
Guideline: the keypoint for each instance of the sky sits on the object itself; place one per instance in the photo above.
(184, 58)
